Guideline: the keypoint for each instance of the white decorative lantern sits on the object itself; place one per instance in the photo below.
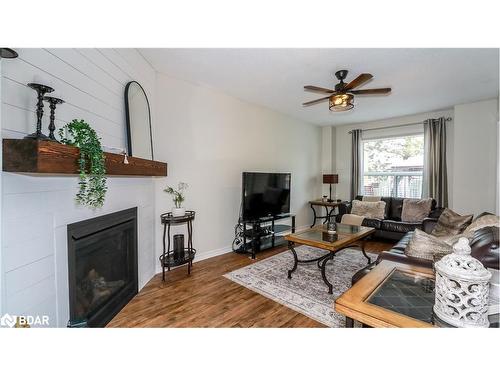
(462, 288)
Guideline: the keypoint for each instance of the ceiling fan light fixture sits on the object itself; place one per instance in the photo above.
(341, 102)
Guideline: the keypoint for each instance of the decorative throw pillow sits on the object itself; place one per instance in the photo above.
(370, 198)
(450, 240)
(450, 223)
(483, 221)
(415, 210)
(370, 210)
(352, 219)
(426, 246)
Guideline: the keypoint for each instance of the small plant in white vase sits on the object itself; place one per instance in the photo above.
(178, 197)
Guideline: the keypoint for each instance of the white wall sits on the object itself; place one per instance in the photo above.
(326, 153)
(476, 157)
(37, 209)
(342, 149)
(328, 162)
(210, 138)
(326, 149)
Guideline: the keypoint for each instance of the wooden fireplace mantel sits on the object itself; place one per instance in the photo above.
(32, 156)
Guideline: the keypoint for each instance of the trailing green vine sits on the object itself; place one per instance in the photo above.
(92, 184)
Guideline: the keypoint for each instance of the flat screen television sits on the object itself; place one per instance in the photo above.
(265, 194)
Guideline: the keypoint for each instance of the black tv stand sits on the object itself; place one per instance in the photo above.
(264, 233)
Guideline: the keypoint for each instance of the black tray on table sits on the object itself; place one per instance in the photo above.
(169, 261)
(169, 218)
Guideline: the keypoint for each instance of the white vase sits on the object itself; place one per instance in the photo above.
(176, 212)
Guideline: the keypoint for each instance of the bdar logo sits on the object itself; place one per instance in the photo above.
(7, 321)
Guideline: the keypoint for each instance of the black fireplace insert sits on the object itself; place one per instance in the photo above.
(102, 267)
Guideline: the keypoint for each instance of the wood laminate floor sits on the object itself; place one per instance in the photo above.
(207, 299)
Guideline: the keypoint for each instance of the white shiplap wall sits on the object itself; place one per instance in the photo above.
(37, 209)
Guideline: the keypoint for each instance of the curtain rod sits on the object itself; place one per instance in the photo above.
(398, 126)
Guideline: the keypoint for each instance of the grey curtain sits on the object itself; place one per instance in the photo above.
(435, 181)
(355, 162)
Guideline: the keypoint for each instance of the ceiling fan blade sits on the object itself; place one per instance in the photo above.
(358, 81)
(315, 101)
(371, 91)
(316, 88)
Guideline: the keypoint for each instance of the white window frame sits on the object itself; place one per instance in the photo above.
(365, 139)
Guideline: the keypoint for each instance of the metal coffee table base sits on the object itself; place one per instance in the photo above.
(322, 261)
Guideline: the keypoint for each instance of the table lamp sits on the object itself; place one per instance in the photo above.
(330, 179)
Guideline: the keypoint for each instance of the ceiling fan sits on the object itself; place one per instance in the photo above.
(342, 97)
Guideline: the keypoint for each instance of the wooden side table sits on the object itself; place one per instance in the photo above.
(329, 208)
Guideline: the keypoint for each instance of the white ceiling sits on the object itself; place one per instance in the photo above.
(421, 79)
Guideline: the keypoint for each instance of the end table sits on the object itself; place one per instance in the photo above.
(329, 207)
(167, 259)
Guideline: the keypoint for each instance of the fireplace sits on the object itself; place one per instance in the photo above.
(102, 267)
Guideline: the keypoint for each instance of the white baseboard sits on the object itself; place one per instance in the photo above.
(203, 256)
(213, 253)
(223, 250)
(147, 278)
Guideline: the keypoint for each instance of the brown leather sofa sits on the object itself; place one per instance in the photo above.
(484, 247)
(392, 228)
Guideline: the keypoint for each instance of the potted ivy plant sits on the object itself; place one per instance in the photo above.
(178, 197)
(91, 162)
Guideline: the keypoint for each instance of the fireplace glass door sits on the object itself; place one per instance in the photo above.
(102, 272)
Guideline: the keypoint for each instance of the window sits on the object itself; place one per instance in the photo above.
(393, 167)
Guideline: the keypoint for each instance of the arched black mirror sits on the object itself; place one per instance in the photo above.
(139, 134)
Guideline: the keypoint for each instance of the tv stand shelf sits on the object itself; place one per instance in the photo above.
(260, 237)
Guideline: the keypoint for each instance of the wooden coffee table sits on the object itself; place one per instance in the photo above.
(347, 236)
(394, 294)
(391, 295)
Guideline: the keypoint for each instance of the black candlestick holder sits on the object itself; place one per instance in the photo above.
(52, 126)
(41, 91)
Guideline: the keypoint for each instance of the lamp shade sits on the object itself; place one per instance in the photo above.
(330, 178)
(341, 102)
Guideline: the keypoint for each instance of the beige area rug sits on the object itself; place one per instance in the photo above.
(306, 292)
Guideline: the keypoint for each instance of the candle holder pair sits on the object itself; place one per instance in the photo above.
(42, 90)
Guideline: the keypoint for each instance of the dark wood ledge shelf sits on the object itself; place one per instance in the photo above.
(31, 156)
